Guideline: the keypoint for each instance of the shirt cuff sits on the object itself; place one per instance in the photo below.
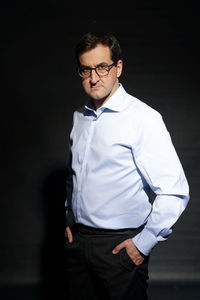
(145, 241)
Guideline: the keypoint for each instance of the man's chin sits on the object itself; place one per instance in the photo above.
(97, 96)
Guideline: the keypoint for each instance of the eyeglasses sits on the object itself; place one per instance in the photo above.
(101, 70)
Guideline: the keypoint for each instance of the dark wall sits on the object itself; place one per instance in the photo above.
(40, 90)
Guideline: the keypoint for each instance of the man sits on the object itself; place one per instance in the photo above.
(120, 149)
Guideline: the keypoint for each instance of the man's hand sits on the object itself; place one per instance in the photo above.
(136, 256)
(68, 234)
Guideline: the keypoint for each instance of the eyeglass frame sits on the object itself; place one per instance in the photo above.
(90, 69)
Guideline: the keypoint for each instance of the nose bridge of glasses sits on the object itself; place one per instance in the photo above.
(93, 72)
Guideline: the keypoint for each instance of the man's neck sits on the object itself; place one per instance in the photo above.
(98, 103)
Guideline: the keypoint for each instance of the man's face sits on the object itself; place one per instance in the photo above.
(100, 88)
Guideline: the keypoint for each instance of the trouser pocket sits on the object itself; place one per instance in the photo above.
(126, 261)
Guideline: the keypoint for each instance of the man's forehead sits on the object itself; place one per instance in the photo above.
(97, 55)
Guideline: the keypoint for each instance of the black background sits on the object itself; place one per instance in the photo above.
(39, 92)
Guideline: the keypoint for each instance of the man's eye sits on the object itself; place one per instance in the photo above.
(85, 70)
(102, 67)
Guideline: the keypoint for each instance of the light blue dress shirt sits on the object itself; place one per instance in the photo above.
(120, 152)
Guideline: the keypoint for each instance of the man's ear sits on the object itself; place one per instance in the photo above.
(119, 68)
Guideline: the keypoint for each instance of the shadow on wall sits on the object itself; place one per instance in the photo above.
(53, 280)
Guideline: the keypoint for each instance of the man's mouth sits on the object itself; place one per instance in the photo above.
(93, 87)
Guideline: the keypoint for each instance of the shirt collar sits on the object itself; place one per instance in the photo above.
(115, 103)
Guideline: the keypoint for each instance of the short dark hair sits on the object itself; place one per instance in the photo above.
(91, 39)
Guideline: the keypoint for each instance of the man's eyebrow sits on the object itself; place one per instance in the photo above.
(100, 64)
(84, 66)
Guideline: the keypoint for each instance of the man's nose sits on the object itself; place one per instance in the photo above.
(94, 77)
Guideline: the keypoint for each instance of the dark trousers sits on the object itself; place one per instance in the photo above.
(94, 273)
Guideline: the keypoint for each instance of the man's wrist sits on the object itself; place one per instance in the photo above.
(145, 241)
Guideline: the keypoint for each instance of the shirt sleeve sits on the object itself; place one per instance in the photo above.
(69, 189)
(159, 164)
